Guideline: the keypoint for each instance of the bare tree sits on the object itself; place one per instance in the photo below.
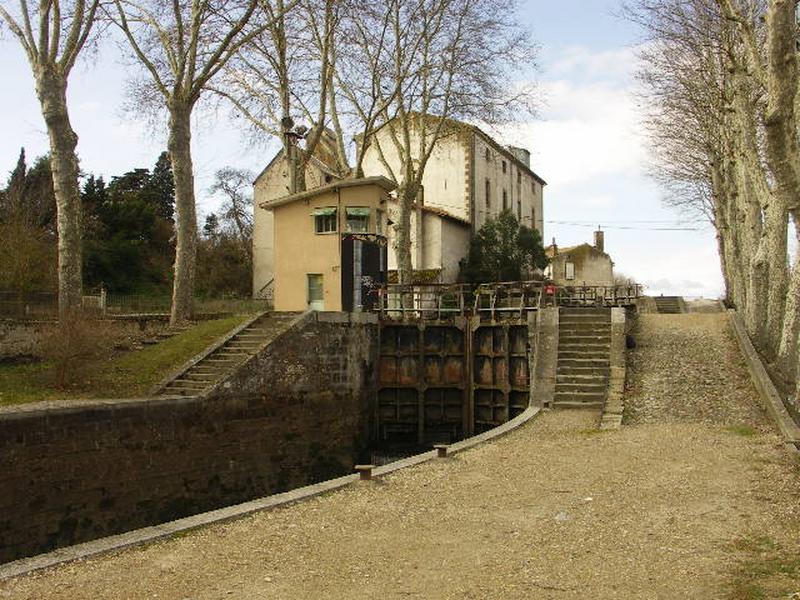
(237, 207)
(53, 34)
(284, 74)
(722, 87)
(182, 46)
(431, 61)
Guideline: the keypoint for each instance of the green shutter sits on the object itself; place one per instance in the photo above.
(323, 212)
(357, 211)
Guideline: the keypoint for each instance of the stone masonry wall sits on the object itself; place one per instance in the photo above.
(295, 414)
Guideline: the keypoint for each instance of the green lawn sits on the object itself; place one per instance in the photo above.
(127, 375)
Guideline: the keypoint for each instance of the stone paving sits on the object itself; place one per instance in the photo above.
(669, 506)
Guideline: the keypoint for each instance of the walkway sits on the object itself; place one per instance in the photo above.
(667, 507)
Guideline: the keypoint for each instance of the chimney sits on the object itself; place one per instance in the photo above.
(599, 240)
(521, 154)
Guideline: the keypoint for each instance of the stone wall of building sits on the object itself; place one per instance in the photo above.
(297, 413)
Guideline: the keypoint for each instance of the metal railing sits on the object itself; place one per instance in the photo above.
(493, 301)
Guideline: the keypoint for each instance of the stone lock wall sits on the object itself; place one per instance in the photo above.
(297, 413)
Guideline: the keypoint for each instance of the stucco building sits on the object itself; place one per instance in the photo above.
(469, 178)
(272, 184)
(582, 265)
(330, 245)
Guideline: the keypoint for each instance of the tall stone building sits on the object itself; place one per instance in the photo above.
(469, 178)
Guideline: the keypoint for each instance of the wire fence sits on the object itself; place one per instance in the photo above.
(15, 304)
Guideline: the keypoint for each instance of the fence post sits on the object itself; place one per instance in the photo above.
(103, 297)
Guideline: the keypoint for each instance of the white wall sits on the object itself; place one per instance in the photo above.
(445, 179)
(523, 192)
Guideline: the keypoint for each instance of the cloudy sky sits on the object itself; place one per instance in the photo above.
(585, 143)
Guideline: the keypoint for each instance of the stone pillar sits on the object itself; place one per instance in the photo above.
(543, 340)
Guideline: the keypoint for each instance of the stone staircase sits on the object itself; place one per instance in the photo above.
(670, 305)
(222, 359)
(584, 350)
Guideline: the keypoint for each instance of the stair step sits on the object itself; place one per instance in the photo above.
(578, 394)
(583, 372)
(597, 389)
(582, 379)
(598, 348)
(571, 405)
(584, 339)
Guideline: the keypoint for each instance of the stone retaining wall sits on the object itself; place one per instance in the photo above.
(297, 413)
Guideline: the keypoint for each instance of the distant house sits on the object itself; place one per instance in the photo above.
(585, 264)
(330, 246)
(469, 178)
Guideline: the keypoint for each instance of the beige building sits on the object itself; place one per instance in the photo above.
(581, 265)
(330, 246)
(271, 184)
(469, 178)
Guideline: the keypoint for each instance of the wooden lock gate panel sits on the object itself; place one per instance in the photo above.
(441, 382)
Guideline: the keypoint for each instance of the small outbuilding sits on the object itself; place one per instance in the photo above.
(331, 245)
(583, 265)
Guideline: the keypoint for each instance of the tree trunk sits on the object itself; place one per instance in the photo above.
(51, 89)
(180, 150)
(787, 351)
(406, 195)
(776, 225)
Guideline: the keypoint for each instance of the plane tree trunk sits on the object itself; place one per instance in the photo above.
(51, 89)
(180, 150)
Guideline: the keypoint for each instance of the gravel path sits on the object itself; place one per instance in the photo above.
(670, 507)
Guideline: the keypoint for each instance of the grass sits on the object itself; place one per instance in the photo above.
(741, 430)
(766, 570)
(127, 375)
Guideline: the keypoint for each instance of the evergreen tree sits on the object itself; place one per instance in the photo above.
(504, 250)
(161, 187)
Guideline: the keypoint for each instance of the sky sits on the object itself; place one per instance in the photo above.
(585, 142)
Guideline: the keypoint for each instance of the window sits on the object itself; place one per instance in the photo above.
(488, 155)
(488, 199)
(357, 219)
(519, 211)
(519, 177)
(379, 222)
(325, 220)
(504, 166)
(533, 218)
(569, 270)
(505, 200)
(533, 187)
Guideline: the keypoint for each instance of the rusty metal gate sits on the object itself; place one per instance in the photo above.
(501, 379)
(441, 382)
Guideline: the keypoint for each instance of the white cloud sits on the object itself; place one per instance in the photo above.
(580, 62)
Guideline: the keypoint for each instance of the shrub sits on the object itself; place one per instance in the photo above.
(72, 343)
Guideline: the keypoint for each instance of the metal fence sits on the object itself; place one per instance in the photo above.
(44, 305)
(493, 301)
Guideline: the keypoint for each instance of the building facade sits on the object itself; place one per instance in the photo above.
(331, 245)
(468, 179)
(272, 184)
(583, 265)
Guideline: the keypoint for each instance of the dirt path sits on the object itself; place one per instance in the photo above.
(668, 507)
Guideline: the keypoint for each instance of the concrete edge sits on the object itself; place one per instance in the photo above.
(213, 347)
(154, 533)
(614, 406)
(770, 397)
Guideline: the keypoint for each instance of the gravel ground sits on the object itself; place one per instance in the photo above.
(666, 508)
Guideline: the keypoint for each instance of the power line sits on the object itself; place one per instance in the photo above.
(594, 224)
